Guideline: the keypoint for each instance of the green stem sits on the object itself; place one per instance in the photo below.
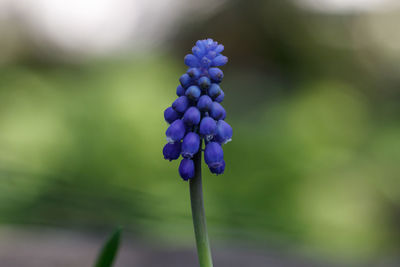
(199, 217)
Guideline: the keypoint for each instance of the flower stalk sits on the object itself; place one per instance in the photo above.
(198, 214)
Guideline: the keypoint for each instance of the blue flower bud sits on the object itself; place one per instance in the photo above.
(199, 53)
(209, 43)
(181, 104)
(190, 145)
(191, 61)
(176, 131)
(208, 127)
(204, 83)
(204, 103)
(170, 115)
(213, 155)
(194, 73)
(193, 92)
(192, 116)
(214, 91)
(180, 91)
(223, 133)
(218, 170)
(211, 55)
(200, 44)
(205, 62)
(172, 151)
(220, 98)
(186, 169)
(202, 47)
(216, 74)
(217, 111)
(219, 48)
(219, 61)
(185, 80)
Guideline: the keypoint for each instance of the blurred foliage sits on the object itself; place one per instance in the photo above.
(314, 162)
(81, 147)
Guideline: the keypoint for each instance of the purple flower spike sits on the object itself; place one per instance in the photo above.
(186, 169)
(190, 145)
(196, 116)
(172, 151)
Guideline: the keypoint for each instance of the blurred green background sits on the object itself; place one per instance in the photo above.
(312, 93)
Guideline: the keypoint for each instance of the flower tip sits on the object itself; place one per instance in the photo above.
(218, 168)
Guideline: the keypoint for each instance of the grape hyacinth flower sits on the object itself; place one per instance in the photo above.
(197, 116)
(198, 107)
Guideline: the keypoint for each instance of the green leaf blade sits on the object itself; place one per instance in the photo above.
(109, 250)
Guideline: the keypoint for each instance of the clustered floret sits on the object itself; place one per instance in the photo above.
(197, 114)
